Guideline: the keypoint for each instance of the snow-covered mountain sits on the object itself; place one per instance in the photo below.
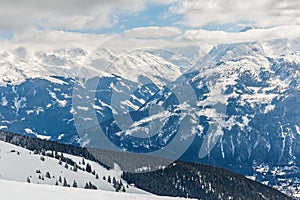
(256, 85)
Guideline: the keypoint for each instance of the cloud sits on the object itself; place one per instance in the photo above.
(263, 13)
(153, 32)
(143, 37)
(170, 38)
(36, 40)
(18, 15)
(254, 35)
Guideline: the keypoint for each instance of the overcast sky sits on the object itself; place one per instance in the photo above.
(21, 18)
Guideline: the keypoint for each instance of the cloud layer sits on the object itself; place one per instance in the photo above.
(67, 14)
(223, 37)
(91, 15)
(263, 13)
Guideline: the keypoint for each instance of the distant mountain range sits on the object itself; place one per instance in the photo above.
(243, 99)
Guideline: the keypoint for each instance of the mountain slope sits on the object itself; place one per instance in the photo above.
(66, 170)
(179, 179)
(202, 182)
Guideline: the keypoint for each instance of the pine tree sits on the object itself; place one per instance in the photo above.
(108, 179)
(75, 184)
(97, 176)
(88, 168)
(65, 183)
(56, 155)
(28, 180)
(75, 167)
(114, 181)
(91, 186)
(83, 161)
(59, 179)
(48, 175)
(104, 178)
(56, 183)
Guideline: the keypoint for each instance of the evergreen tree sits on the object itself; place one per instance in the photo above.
(65, 183)
(74, 184)
(75, 167)
(88, 168)
(28, 180)
(56, 156)
(114, 181)
(42, 158)
(91, 186)
(48, 175)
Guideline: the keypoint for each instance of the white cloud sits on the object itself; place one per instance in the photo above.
(264, 13)
(53, 39)
(67, 14)
(143, 37)
(153, 32)
(170, 38)
(223, 37)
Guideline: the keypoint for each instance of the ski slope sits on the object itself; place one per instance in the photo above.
(19, 164)
(12, 190)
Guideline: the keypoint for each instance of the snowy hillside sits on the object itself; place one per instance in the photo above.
(180, 179)
(23, 165)
(10, 190)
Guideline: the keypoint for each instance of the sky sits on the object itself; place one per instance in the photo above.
(20, 19)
